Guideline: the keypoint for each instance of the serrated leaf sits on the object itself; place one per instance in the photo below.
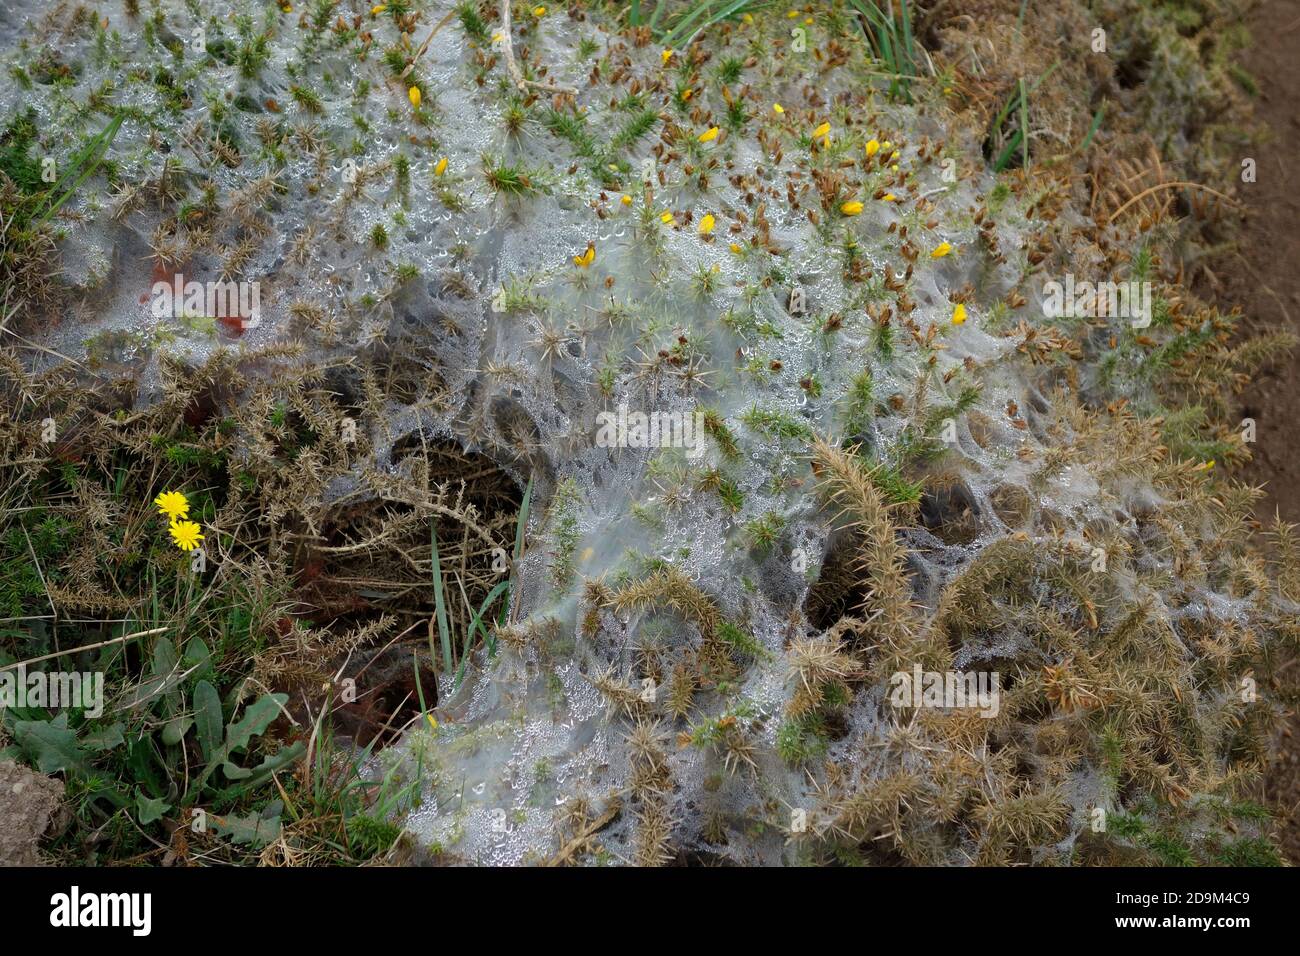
(106, 738)
(49, 744)
(258, 775)
(149, 810)
(253, 829)
(257, 717)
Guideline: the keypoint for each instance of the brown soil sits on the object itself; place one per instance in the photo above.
(1264, 279)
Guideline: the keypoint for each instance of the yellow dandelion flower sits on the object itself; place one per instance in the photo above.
(441, 168)
(958, 314)
(872, 147)
(778, 108)
(709, 135)
(851, 208)
(414, 95)
(186, 534)
(173, 504)
(587, 258)
(706, 224)
(625, 199)
(941, 250)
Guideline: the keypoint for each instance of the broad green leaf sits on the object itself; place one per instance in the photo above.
(49, 744)
(207, 718)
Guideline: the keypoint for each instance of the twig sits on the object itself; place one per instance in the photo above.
(425, 45)
(85, 647)
(508, 48)
(574, 845)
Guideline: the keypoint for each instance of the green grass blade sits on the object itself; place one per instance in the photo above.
(477, 624)
(1024, 124)
(1006, 154)
(439, 601)
(1092, 130)
(85, 163)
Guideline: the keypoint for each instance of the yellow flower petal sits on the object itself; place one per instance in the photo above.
(173, 504)
(736, 248)
(377, 9)
(414, 94)
(432, 722)
(822, 131)
(706, 224)
(539, 11)
(186, 534)
(778, 108)
(872, 147)
(709, 135)
(666, 55)
(587, 258)
(851, 208)
(958, 314)
(625, 199)
(666, 219)
(748, 18)
(889, 197)
(687, 94)
(941, 250)
(441, 167)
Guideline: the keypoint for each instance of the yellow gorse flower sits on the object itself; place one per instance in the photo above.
(186, 534)
(872, 147)
(666, 218)
(666, 55)
(941, 250)
(539, 11)
(173, 504)
(625, 199)
(851, 208)
(958, 314)
(706, 224)
(441, 167)
(377, 9)
(822, 131)
(778, 108)
(414, 95)
(709, 135)
(587, 258)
